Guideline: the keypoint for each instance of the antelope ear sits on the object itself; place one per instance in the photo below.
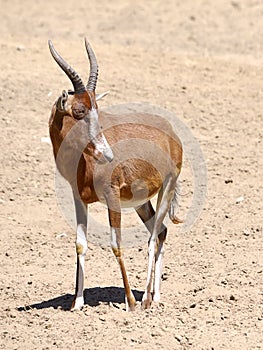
(100, 96)
(62, 100)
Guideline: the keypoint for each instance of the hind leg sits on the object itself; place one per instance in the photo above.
(147, 215)
(158, 265)
(158, 231)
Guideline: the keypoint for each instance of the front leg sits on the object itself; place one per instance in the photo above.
(81, 249)
(114, 210)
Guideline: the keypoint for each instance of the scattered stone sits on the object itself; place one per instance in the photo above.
(246, 233)
(239, 199)
(60, 235)
(229, 181)
(164, 276)
(178, 338)
(46, 139)
(156, 333)
(20, 48)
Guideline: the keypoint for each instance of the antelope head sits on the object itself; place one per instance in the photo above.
(80, 105)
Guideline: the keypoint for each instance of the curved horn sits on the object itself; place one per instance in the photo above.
(78, 85)
(93, 75)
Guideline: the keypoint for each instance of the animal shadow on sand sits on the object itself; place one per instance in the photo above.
(92, 297)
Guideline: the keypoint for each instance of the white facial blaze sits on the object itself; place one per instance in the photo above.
(93, 124)
(97, 138)
(102, 147)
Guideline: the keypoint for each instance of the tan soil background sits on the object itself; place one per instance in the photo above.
(201, 59)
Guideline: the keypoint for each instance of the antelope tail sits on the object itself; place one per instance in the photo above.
(173, 209)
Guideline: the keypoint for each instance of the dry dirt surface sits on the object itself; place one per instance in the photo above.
(202, 60)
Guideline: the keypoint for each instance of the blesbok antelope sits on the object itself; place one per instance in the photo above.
(121, 160)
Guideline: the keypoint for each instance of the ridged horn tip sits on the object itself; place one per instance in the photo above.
(78, 85)
(93, 76)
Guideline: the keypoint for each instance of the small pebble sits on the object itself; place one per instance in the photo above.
(20, 48)
(60, 235)
(45, 140)
(239, 199)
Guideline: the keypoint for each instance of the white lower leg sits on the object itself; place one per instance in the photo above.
(158, 273)
(81, 249)
(79, 297)
(151, 251)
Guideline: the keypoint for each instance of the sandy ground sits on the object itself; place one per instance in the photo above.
(201, 59)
